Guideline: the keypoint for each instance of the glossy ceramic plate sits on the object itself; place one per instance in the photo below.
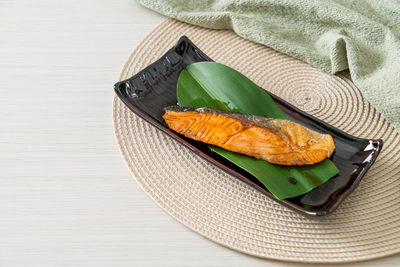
(154, 88)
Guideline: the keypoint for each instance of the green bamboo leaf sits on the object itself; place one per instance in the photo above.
(214, 85)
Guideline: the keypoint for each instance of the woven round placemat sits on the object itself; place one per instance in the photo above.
(231, 213)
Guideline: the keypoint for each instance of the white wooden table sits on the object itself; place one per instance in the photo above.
(66, 197)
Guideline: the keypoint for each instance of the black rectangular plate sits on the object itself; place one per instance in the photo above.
(149, 91)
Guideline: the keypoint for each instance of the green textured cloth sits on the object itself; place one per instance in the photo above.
(362, 36)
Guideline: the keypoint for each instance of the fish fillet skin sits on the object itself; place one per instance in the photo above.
(277, 141)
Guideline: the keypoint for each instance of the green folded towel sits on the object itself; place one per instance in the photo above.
(362, 36)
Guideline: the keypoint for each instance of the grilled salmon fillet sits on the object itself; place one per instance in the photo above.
(277, 141)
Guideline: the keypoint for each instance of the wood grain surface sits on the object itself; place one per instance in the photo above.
(66, 197)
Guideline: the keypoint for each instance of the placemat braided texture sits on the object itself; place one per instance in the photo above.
(228, 211)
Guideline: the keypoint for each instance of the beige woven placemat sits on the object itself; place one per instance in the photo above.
(228, 211)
